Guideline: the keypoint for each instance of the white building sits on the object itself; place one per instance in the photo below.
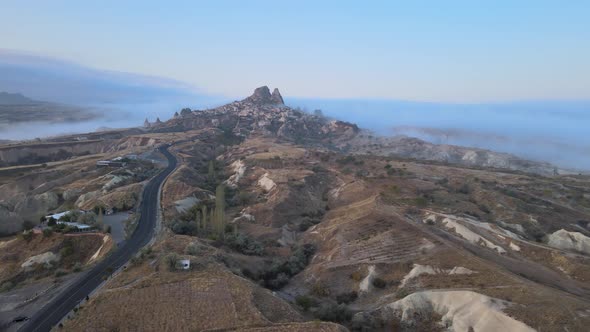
(183, 264)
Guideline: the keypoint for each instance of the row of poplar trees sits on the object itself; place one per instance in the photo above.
(212, 219)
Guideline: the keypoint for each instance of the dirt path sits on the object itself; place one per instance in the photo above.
(520, 268)
(519, 240)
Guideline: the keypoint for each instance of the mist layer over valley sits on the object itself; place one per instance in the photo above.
(553, 131)
(114, 99)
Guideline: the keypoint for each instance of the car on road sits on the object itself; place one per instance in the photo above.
(20, 319)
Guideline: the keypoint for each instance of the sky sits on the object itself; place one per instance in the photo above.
(432, 51)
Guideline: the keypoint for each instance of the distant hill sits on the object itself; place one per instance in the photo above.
(49, 79)
(7, 98)
(15, 108)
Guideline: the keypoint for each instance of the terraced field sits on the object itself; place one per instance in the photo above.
(362, 235)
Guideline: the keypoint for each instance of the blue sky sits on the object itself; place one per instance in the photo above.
(439, 51)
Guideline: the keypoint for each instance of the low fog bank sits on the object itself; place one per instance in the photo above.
(109, 116)
(120, 100)
(553, 131)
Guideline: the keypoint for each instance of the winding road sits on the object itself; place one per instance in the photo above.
(60, 306)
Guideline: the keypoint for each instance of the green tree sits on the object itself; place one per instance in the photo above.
(204, 217)
(220, 209)
(211, 173)
(197, 218)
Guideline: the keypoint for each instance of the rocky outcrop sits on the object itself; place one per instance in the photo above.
(146, 123)
(260, 96)
(47, 259)
(276, 97)
(71, 194)
(266, 114)
(37, 205)
(263, 113)
(460, 311)
(185, 112)
(83, 200)
(9, 222)
(573, 241)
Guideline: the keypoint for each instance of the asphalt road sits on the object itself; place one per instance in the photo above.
(53, 312)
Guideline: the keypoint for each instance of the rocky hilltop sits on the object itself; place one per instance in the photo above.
(289, 219)
(265, 113)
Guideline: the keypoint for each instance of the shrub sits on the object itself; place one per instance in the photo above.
(60, 272)
(87, 218)
(193, 249)
(365, 321)
(379, 283)
(245, 198)
(51, 222)
(318, 169)
(66, 251)
(27, 235)
(403, 293)
(66, 217)
(244, 244)
(279, 281)
(346, 160)
(464, 189)
(305, 302)
(6, 286)
(320, 289)
(184, 227)
(347, 298)
(278, 274)
(249, 274)
(77, 267)
(307, 222)
(334, 313)
(171, 261)
(28, 225)
(421, 201)
(47, 232)
(356, 276)
(484, 208)
(412, 210)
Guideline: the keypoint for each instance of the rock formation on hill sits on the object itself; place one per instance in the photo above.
(276, 97)
(263, 113)
(260, 96)
(266, 114)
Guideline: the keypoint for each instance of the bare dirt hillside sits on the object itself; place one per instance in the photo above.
(291, 221)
